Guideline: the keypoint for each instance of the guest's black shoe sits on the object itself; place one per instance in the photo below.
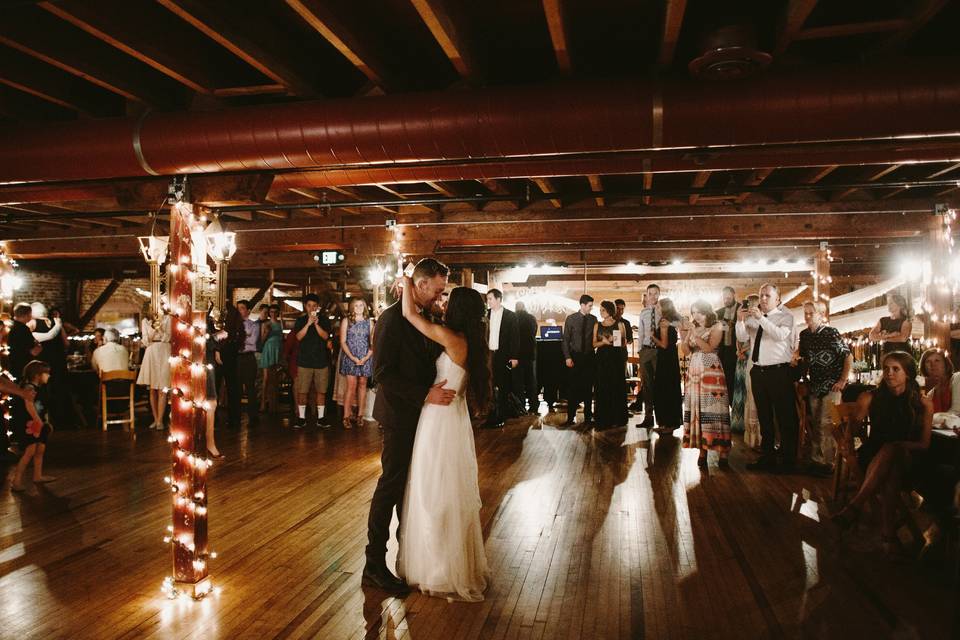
(324, 422)
(762, 464)
(570, 422)
(300, 423)
(380, 577)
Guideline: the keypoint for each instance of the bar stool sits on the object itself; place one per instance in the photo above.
(116, 376)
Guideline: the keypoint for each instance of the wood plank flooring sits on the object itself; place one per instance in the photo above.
(588, 536)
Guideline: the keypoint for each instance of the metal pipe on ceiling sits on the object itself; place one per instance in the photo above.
(852, 102)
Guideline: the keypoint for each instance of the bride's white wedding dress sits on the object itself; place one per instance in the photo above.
(441, 543)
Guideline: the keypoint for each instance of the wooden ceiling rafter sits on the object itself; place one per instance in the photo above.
(932, 176)
(450, 36)
(699, 181)
(105, 26)
(673, 14)
(791, 23)
(322, 18)
(853, 29)
(757, 176)
(923, 12)
(547, 187)
(596, 186)
(251, 46)
(403, 196)
(352, 194)
(872, 176)
(557, 25)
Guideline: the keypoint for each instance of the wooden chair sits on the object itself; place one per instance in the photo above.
(116, 376)
(846, 468)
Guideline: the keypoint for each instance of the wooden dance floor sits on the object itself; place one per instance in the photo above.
(587, 536)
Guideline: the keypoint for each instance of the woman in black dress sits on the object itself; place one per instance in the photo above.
(666, 384)
(611, 394)
(901, 422)
(894, 330)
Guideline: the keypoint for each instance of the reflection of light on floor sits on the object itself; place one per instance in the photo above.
(184, 612)
(811, 563)
(803, 505)
(21, 590)
(12, 552)
(689, 478)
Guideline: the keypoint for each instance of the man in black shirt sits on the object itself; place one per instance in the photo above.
(313, 362)
(578, 350)
(526, 374)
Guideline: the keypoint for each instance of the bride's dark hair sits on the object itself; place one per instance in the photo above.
(465, 314)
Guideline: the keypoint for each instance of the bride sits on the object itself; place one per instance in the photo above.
(441, 543)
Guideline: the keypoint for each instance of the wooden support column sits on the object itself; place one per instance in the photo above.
(188, 383)
(821, 276)
(938, 292)
(467, 278)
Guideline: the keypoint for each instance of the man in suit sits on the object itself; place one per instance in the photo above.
(526, 382)
(503, 356)
(577, 343)
(404, 366)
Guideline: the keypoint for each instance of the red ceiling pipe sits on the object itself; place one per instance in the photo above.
(841, 103)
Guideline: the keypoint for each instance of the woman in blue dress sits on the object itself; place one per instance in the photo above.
(356, 363)
(271, 337)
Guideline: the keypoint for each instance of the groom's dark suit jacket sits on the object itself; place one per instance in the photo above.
(404, 367)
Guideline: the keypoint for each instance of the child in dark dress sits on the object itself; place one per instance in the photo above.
(30, 417)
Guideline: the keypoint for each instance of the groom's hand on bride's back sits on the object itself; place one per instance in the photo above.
(439, 395)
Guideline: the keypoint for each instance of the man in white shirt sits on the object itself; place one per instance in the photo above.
(502, 342)
(769, 327)
(112, 356)
(648, 322)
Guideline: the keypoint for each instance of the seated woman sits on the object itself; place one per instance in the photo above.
(937, 371)
(901, 420)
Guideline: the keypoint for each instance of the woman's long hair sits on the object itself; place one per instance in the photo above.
(706, 309)
(885, 398)
(465, 314)
(901, 302)
(668, 310)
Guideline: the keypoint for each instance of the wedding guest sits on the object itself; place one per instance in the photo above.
(649, 324)
(112, 356)
(29, 416)
(727, 315)
(666, 385)
(94, 344)
(579, 358)
(49, 332)
(247, 362)
(628, 330)
(828, 362)
(937, 371)
(212, 359)
(894, 330)
(526, 372)
(312, 329)
(769, 328)
(611, 394)
(9, 387)
(271, 344)
(502, 341)
(901, 421)
(356, 343)
(155, 366)
(23, 347)
(706, 411)
(227, 369)
(743, 409)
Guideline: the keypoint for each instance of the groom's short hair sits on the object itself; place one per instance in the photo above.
(311, 297)
(496, 293)
(430, 268)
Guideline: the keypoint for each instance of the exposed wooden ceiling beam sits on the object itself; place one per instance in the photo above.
(105, 24)
(547, 187)
(596, 185)
(440, 187)
(932, 176)
(699, 181)
(647, 186)
(923, 12)
(756, 178)
(672, 25)
(872, 176)
(256, 43)
(852, 29)
(24, 73)
(403, 196)
(350, 193)
(252, 90)
(791, 23)
(40, 35)
(344, 39)
(553, 9)
(449, 35)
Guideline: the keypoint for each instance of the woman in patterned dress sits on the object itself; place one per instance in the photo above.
(743, 410)
(356, 362)
(271, 337)
(706, 412)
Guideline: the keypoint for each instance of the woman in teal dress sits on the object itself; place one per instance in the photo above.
(271, 337)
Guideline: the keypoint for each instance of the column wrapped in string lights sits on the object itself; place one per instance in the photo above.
(188, 380)
(9, 283)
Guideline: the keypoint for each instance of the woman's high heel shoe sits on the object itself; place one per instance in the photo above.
(215, 456)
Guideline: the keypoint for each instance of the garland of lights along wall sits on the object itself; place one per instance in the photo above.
(188, 407)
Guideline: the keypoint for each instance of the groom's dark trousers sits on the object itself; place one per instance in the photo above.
(404, 368)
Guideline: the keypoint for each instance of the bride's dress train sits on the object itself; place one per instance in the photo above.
(441, 543)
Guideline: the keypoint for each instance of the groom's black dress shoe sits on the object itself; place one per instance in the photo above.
(379, 576)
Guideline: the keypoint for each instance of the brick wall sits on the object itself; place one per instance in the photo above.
(52, 289)
(125, 304)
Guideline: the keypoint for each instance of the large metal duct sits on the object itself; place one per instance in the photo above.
(849, 103)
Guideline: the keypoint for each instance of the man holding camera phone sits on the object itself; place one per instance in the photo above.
(313, 362)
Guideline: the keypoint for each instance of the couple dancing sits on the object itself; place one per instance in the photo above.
(426, 373)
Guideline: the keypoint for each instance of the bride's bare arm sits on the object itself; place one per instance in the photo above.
(436, 332)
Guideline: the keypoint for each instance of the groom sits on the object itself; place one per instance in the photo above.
(404, 366)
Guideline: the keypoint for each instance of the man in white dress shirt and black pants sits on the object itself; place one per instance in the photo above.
(769, 328)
